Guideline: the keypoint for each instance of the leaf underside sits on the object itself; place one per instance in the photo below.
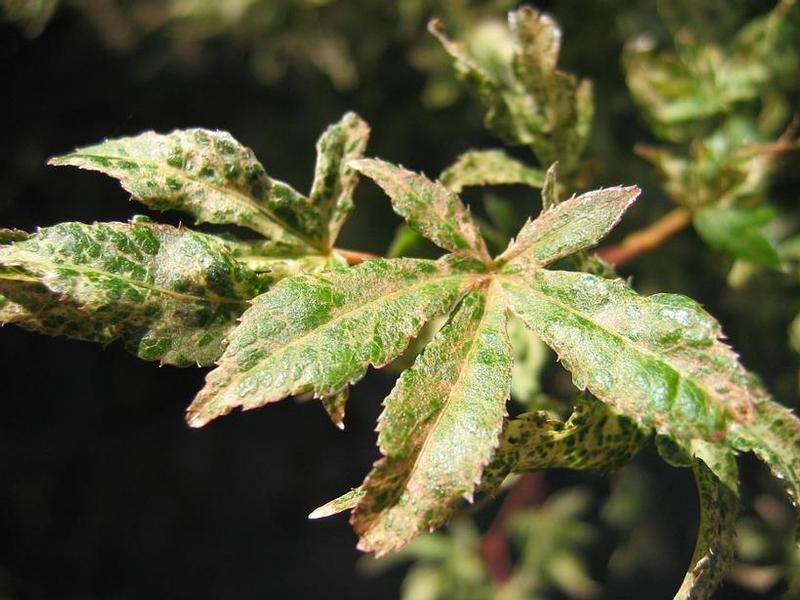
(489, 167)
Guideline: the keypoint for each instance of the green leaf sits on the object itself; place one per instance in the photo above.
(171, 294)
(570, 226)
(207, 174)
(594, 437)
(489, 167)
(738, 232)
(657, 359)
(211, 176)
(429, 207)
(408, 243)
(439, 428)
(320, 332)
(32, 15)
(528, 100)
(334, 180)
(717, 478)
(773, 435)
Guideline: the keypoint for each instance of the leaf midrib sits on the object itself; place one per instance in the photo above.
(50, 267)
(465, 364)
(237, 378)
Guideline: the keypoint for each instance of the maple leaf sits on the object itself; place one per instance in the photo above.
(528, 99)
(656, 363)
(214, 178)
(173, 294)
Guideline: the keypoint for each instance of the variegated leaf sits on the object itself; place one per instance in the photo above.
(717, 477)
(594, 437)
(529, 101)
(346, 501)
(572, 225)
(489, 167)
(171, 294)
(439, 428)
(211, 176)
(320, 332)
(657, 359)
(429, 207)
(334, 180)
(773, 435)
(207, 174)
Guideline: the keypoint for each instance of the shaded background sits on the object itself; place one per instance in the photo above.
(105, 492)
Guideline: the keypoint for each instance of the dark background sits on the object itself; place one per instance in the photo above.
(105, 492)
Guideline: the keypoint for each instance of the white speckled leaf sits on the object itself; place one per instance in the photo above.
(570, 226)
(717, 477)
(320, 332)
(171, 294)
(440, 426)
(429, 207)
(334, 180)
(594, 437)
(658, 359)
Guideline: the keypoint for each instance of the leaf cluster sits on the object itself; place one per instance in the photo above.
(280, 312)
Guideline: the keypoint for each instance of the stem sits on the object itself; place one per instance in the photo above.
(648, 238)
(354, 257)
(527, 491)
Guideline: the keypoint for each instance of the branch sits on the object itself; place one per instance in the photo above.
(648, 238)
(527, 491)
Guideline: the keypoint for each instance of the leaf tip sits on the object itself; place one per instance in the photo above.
(321, 513)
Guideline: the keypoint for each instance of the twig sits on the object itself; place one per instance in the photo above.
(648, 238)
(527, 491)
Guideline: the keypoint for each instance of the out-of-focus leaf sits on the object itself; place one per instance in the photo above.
(550, 195)
(489, 167)
(728, 168)
(428, 207)
(439, 427)
(172, 295)
(530, 357)
(408, 243)
(739, 232)
(528, 100)
(32, 15)
(594, 437)
(717, 478)
(548, 539)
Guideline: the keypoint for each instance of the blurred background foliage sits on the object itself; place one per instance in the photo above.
(106, 494)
